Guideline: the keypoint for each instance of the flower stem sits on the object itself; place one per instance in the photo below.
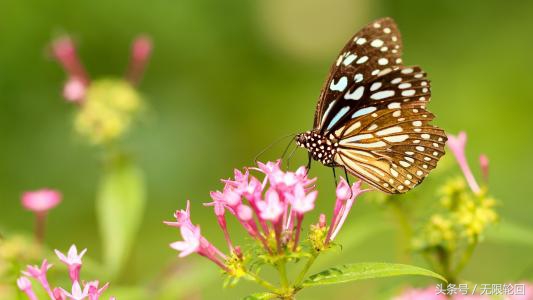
(281, 266)
(466, 257)
(40, 224)
(254, 277)
(306, 268)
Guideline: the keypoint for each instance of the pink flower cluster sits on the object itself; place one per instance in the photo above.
(86, 290)
(271, 210)
(74, 90)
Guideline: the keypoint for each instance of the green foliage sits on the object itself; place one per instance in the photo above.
(120, 207)
(360, 271)
(260, 296)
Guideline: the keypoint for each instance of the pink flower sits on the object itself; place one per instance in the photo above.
(93, 290)
(39, 273)
(140, 53)
(73, 261)
(77, 292)
(300, 202)
(41, 201)
(183, 217)
(191, 241)
(64, 51)
(484, 164)
(343, 206)
(24, 284)
(59, 294)
(271, 208)
(74, 89)
(457, 144)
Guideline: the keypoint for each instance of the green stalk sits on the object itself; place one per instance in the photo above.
(254, 277)
(304, 271)
(467, 254)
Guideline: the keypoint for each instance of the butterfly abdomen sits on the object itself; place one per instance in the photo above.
(321, 148)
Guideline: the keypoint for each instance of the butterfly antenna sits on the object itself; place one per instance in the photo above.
(290, 156)
(273, 144)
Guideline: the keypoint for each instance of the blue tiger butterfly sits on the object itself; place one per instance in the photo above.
(371, 118)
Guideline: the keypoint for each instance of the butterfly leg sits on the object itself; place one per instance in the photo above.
(334, 176)
(308, 168)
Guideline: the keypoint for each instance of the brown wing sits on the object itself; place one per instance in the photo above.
(374, 48)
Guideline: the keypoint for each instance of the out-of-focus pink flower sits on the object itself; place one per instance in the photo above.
(271, 208)
(457, 144)
(191, 241)
(24, 284)
(471, 297)
(59, 294)
(484, 164)
(41, 201)
(77, 292)
(140, 54)
(39, 273)
(74, 89)
(94, 292)
(73, 261)
(64, 51)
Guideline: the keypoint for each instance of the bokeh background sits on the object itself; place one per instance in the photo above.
(225, 80)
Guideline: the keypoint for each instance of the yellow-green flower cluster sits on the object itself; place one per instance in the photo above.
(108, 110)
(465, 217)
(317, 237)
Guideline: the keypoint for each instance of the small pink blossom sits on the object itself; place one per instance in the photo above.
(74, 89)
(39, 273)
(73, 261)
(140, 54)
(458, 144)
(300, 201)
(24, 284)
(191, 241)
(484, 164)
(183, 217)
(41, 201)
(93, 291)
(77, 292)
(343, 205)
(271, 208)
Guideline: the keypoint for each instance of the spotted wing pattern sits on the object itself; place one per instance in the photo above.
(379, 117)
(374, 48)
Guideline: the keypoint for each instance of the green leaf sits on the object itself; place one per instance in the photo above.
(507, 232)
(360, 271)
(260, 296)
(119, 207)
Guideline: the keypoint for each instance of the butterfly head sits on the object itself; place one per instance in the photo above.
(320, 148)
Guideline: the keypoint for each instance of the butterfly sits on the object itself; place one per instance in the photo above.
(371, 118)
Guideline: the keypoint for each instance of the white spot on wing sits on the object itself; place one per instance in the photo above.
(376, 43)
(355, 95)
(382, 95)
(364, 111)
(340, 85)
(396, 138)
(349, 59)
(390, 130)
(362, 60)
(358, 77)
(375, 86)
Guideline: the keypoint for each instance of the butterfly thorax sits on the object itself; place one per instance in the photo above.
(321, 148)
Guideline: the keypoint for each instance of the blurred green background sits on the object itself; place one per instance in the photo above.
(225, 80)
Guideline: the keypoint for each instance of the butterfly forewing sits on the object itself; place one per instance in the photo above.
(375, 108)
(374, 48)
